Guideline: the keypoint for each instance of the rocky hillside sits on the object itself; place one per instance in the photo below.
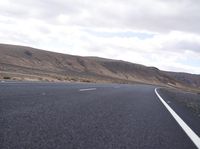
(186, 78)
(25, 63)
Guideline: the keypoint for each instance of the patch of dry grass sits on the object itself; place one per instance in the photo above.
(187, 99)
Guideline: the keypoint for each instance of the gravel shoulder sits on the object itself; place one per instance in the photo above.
(186, 99)
(185, 104)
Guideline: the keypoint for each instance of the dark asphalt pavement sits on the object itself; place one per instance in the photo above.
(59, 116)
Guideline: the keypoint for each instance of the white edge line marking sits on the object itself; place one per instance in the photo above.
(87, 89)
(191, 134)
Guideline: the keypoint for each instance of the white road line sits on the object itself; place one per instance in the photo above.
(7, 83)
(87, 89)
(191, 134)
(116, 86)
(4, 82)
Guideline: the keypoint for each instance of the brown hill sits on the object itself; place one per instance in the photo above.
(186, 78)
(25, 63)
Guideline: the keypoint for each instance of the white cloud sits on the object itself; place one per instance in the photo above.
(159, 33)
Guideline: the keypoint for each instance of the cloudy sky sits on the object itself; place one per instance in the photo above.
(161, 33)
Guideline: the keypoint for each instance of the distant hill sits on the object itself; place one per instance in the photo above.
(186, 78)
(25, 63)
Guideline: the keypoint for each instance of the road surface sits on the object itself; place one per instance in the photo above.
(86, 116)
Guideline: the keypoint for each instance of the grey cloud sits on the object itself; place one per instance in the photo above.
(45, 9)
(44, 30)
(152, 15)
(16, 38)
(186, 45)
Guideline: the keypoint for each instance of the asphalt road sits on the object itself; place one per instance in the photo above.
(86, 116)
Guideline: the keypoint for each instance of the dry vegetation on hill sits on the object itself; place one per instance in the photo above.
(25, 63)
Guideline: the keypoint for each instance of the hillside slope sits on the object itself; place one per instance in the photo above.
(186, 78)
(19, 62)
